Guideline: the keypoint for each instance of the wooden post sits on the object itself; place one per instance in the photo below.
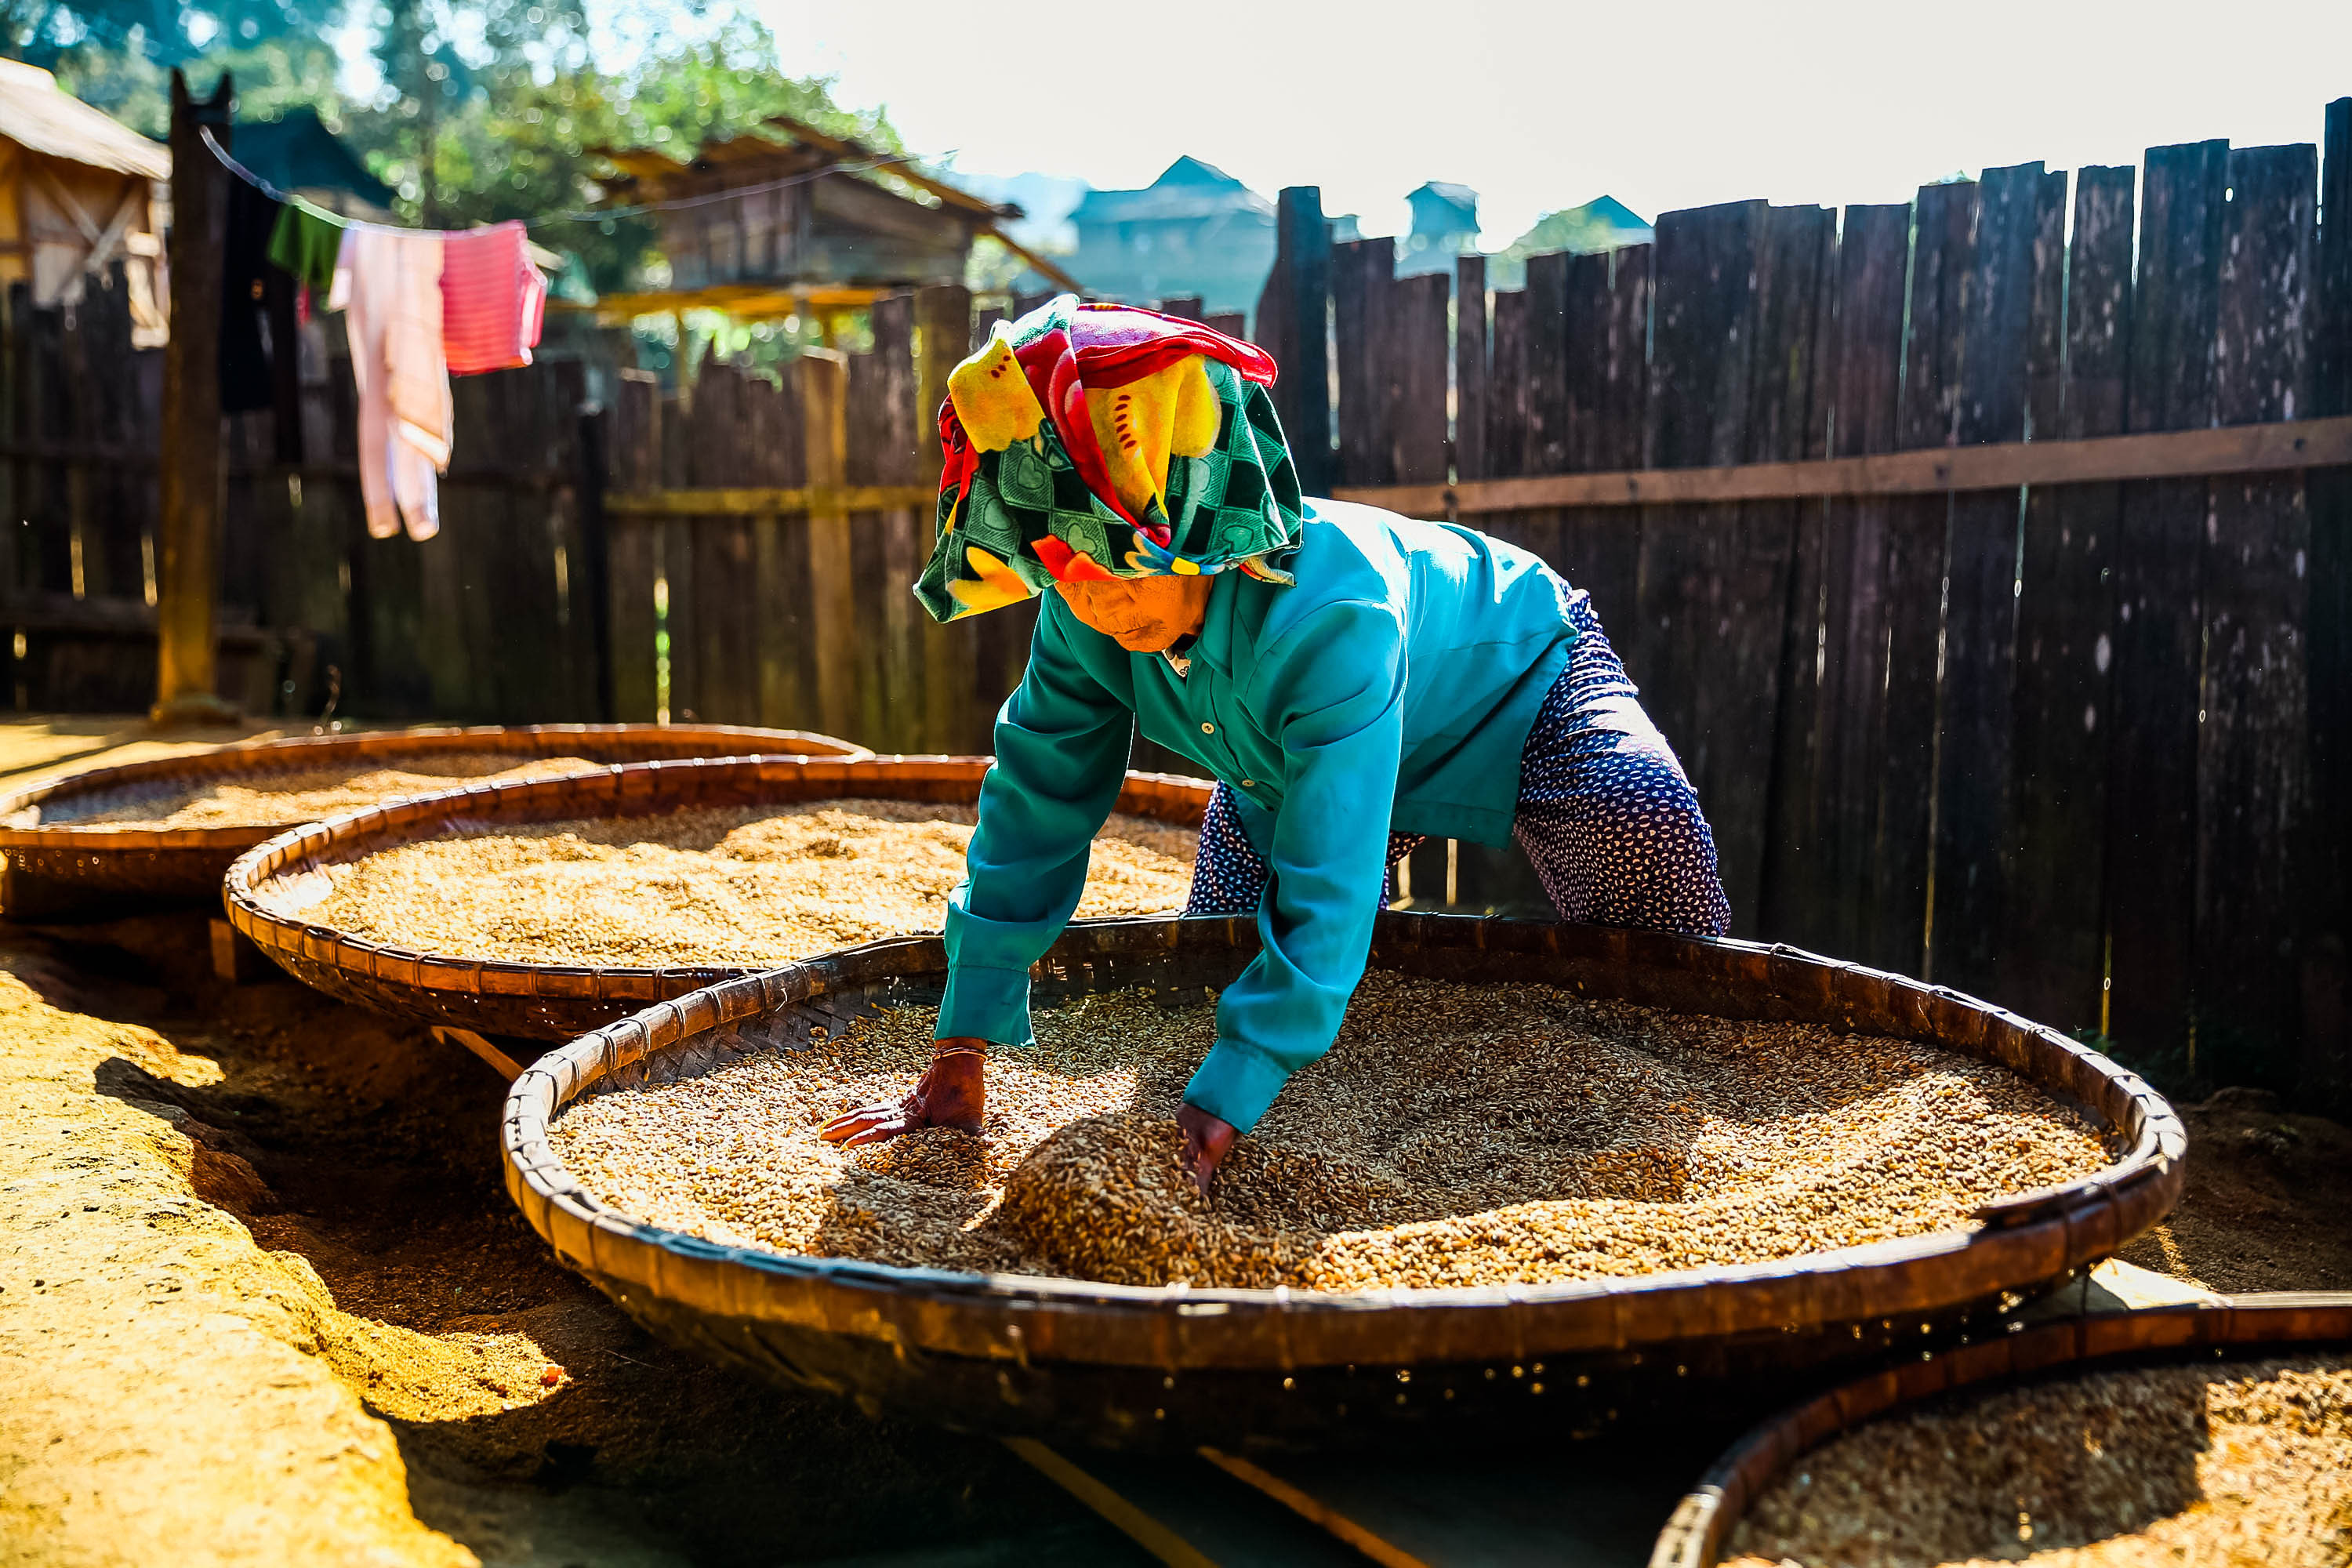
(2326, 971)
(825, 412)
(187, 568)
(942, 331)
(1301, 395)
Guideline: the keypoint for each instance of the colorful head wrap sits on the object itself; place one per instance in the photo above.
(1093, 442)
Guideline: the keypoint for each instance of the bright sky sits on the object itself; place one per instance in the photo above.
(1540, 106)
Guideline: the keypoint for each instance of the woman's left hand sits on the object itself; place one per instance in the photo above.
(1206, 1141)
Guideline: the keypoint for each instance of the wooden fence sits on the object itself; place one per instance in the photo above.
(2080, 747)
(499, 618)
(1965, 691)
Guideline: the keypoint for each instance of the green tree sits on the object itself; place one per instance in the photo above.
(486, 110)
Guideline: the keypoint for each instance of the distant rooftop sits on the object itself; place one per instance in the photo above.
(1453, 195)
(1188, 189)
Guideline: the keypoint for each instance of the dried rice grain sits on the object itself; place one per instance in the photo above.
(714, 885)
(1453, 1135)
(2249, 1463)
(286, 798)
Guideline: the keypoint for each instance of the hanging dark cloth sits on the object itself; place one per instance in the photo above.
(248, 379)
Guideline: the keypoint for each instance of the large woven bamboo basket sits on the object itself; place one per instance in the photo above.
(1147, 1366)
(188, 863)
(266, 888)
(2269, 1324)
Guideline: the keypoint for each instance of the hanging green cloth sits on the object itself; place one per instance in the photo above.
(307, 243)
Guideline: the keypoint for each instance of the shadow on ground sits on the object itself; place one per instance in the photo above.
(538, 1425)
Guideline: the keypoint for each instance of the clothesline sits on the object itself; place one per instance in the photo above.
(675, 204)
(419, 306)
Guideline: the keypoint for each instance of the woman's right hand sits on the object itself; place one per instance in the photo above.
(952, 1093)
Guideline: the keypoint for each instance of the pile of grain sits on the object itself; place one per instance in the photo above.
(2250, 1463)
(1455, 1135)
(716, 884)
(287, 799)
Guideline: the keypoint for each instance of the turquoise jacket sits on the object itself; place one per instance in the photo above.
(1392, 687)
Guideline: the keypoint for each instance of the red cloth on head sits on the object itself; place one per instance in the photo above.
(1111, 345)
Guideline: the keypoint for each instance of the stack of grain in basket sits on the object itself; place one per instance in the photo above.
(718, 884)
(1455, 1136)
(2247, 1462)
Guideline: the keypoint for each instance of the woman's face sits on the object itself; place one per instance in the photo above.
(1142, 614)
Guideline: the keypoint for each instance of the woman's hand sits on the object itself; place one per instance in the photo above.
(1206, 1141)
(952, 1093)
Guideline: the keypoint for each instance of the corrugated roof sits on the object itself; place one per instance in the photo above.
(38, 114)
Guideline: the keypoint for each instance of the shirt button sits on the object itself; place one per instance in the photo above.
(1249, 783)
(1207, 728)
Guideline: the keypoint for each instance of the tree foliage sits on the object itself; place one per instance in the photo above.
(475, 111)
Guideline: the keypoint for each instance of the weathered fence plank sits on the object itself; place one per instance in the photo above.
(1973, 775)
(1363, 277)
(2327, 1066)
(2151, 882)
(636, 438)
(2053, 964)
(1820, 877)
(1413, 355)
(1470, 367)
(1701, 650)
(2254, 779)
(1607, 309)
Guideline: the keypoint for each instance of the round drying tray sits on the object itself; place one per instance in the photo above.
(188, 862)
(2270, 1324)
(1151, 1366)
(267, 889)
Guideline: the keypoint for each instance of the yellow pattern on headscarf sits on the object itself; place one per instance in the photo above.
(1139, 425)
(992, 398)
(991, 585)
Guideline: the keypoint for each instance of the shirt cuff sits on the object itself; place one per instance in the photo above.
(1235, 1084)
(985, 1003)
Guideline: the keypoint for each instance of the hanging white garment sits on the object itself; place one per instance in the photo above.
(390, 282)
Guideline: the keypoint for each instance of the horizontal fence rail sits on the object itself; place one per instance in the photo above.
(760, 502)
(1999, 466)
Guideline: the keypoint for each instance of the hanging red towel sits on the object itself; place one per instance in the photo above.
(493, 298)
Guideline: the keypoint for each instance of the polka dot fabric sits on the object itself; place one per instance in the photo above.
(1606, 816)
(1229, 878)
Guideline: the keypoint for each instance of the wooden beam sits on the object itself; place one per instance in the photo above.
(505, 1066)
(187, 567)
(2003, 465)
(1052, 272)
(825, 414)
(903, 168)
(754, 502)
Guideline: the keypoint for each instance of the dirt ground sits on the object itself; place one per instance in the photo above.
(2268, 1203)
(263, 1300)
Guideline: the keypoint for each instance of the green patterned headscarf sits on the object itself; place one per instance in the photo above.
(1093, 442)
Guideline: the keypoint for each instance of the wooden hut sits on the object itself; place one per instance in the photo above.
(761, 225)
(79, 191)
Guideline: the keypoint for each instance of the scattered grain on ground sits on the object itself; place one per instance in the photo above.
(2243, 1464)
(287, 798)
(1455, 1135)
(715, 885)
(2268, 1205)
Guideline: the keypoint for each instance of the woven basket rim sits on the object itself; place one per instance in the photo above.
(291, 752)
(2024, 1241)
(2272, 1321)
(647, 784)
